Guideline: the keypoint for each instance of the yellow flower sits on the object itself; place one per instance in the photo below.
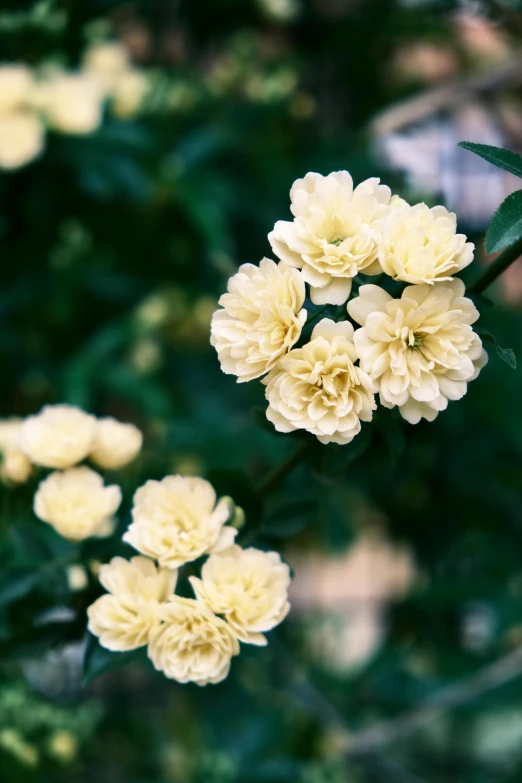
(176, 520)
(115, 444)
(72, 103)
(76, 503)
(248, 587)
(191, 644)
(129, 93)
(420, 350)
(16, 468)
(420, 245)
(124, 619)
(21, 139)
(334, 234)
(318, 387)
(59, 436)
(16, 85)
(106, 63)
(261, 318)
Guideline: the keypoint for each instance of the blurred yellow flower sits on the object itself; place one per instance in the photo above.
(21, 139)
(59, 436)
(115, 444)
(76, 503)
(16, 86)
(129, 93)
(72, 103)
(106, 63)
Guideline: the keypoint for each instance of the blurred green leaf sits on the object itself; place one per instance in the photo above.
(17, 586)
(98, 660)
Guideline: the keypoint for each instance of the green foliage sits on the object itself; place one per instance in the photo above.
(506, 226)
(115, 248)
(504, 159)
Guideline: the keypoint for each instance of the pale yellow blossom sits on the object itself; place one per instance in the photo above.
(420, 350)
(261, 319)
(248, 587)
(319, 388)
(124, 618)
(115, 444)
(191, 644)
(59, 436)
(76, 503)
(335, 232)
(176, 520)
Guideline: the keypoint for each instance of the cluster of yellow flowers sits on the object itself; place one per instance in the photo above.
(417, 351)
(65, 101)
(242, 593)
(73, 498)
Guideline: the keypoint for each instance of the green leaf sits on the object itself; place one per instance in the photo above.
(98, 660)
(504, 159)
(16, 587)
(506, 225)
(506, 354)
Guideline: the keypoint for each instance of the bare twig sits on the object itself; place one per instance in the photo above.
(274, 478)
(452, 94)
(493, 676)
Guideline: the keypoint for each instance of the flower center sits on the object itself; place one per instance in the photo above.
(337, 241)
(417, 341)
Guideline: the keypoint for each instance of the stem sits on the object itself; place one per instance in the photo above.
(317, 314)
(455, 695)
(274, 478)
(499, 265)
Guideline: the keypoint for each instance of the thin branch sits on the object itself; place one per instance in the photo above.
(448, 96)
(274, 478)
(493, 676)
(497, 267)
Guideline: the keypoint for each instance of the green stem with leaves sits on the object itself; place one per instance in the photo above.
(497, 267)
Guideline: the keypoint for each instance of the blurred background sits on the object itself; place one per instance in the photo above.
(118, 232)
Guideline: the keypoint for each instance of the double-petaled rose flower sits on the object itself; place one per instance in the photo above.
(124, 618)
(76, 503)
(191, 644)
(177, 520)
(260, 320)
(420, 350)
(421, 245)
(248, 587)
(335, 232)
(319, 388)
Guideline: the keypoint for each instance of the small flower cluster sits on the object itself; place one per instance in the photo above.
(65, 101)
(241, 593)
(416, 351)
(73, 498)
